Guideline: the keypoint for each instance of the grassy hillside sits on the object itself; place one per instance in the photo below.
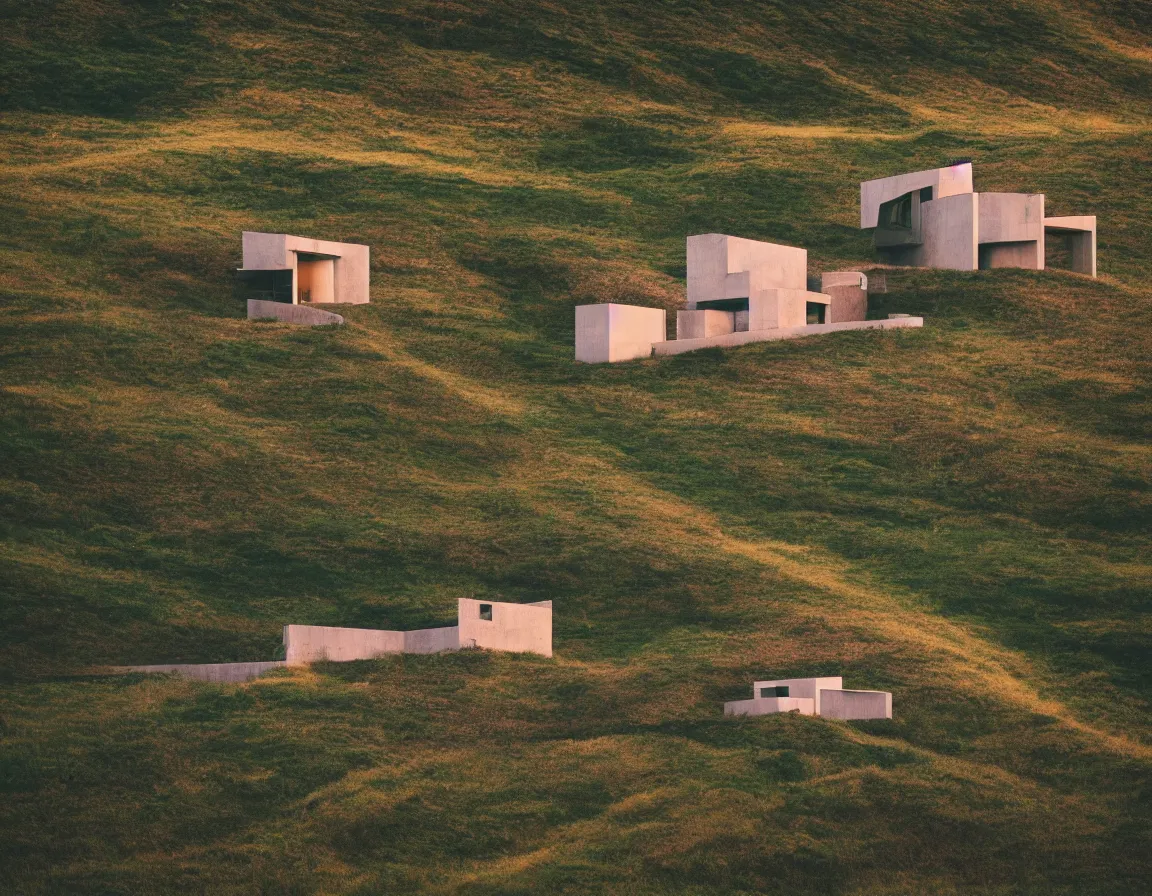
(958, 514)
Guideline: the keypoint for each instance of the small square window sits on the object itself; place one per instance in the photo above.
(486, 611)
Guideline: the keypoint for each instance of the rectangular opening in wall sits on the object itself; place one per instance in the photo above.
(723, 305)
(265, 286)
(815, 313)
(780, 690)
(1058, 250)
(486, 612)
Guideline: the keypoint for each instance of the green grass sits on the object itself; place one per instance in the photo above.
(958, 514)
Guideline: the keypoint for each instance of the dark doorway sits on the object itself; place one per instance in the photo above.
(815, 312)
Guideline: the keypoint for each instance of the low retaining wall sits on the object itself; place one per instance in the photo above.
(210, 671)
(291, 314)
(432, 640)
(729, 340)
(856, 704)
(315, 643)
(762, 706)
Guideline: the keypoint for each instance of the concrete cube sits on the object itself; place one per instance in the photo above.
(611, 332)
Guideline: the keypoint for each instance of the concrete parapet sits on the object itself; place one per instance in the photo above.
(315, 643)
(730, 340)
(767, 705)
(841, 704)
(291, 314)
(225, 672)
(612, 332)
(432, 640)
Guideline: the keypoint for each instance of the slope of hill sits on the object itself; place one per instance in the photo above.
(957, 514)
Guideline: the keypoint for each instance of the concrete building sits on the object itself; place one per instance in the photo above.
(935, 219)
(487, 625)
(812, 697)
(739, 291)
(282, 270)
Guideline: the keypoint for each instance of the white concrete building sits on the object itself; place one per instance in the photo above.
(280, 271)
(739, 291)
(936, 219)
(812, 697)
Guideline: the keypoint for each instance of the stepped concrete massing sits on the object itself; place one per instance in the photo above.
(935, 219)
(812, 697)
(284, 270)
(739, 291)
(488, 625)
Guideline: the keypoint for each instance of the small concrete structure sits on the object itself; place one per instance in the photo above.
(849, 293)
(739, 291)
(490, 625)
(493, 625)
(812, 696)
(282, 269)
(935, 219)
(612, 332)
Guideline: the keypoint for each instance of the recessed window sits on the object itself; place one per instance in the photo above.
(780, 690)
(814, 313)
(486, 611)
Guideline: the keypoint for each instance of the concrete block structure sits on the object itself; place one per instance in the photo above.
(936, 219)
(812, 696)
(612, 332)
(739, 291)
(283, 269)
(487, 625)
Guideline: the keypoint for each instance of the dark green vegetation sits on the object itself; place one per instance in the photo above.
(958, 514)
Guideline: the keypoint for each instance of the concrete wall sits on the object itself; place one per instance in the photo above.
(1082, 229)
(841, 704)
(730, 267)
(1015, 222)
(952, 181)
(950, 228)
(611, 332)
(432, 640)
(801, 687)
(291, 314)
(313, 643)
(849, 303)
(516, 627)
(731, 340)
(704, 323)
(768, 705)
(227, 672)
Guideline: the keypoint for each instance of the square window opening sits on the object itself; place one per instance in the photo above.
(486, 612)
(814, 313)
